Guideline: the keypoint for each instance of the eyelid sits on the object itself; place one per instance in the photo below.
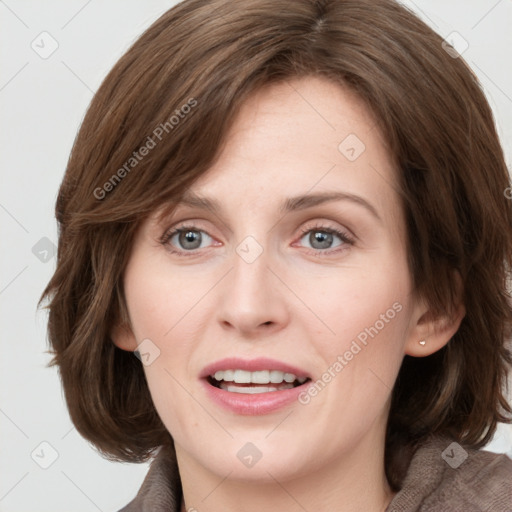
(187, 213)
(328, 224)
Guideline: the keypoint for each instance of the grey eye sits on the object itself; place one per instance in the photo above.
(188, 239)
(321, 239)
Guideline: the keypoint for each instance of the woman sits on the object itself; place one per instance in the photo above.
(294, 215)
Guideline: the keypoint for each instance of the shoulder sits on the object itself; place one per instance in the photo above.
(161, 489)
(445, 475)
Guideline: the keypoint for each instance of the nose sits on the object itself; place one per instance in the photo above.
(253, 299)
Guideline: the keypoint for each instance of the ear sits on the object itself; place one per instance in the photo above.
(435, 330)
(123, 337)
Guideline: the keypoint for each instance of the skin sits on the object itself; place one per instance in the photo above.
(298, 302)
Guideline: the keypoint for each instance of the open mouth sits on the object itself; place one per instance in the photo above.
(262, 381)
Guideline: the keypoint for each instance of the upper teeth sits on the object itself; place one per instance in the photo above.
(259, 377)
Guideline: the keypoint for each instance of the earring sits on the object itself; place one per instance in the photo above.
(422, 343)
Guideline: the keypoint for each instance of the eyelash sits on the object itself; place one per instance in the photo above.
(342, 235)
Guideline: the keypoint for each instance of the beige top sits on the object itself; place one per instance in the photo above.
(441, 478)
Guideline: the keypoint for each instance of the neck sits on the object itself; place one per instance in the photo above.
(353, 481)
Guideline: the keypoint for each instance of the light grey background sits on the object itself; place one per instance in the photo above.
(42, 102)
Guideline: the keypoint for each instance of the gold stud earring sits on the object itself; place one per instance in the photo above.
(422, 343)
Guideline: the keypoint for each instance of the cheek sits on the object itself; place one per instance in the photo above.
(162, 305)
(366, 315)
(357, 304)
(161, 300)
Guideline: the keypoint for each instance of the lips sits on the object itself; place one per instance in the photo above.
(252, 387)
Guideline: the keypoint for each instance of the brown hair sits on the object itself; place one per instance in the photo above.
(211, 55)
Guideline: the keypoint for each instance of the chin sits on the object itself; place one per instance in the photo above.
(249, 458)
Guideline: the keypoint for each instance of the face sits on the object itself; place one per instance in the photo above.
(287, 262)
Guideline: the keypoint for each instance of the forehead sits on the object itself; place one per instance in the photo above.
(299, 136)
(292, 140)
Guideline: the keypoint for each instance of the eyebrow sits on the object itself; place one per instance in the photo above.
(296, 203)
